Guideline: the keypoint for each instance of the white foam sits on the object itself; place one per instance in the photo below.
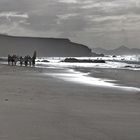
(108, 64)
(83, 78)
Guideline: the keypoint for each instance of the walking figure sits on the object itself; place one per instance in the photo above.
(26, 61)
(13, 60)
(21, 60)
(29, 60)
(9, 59)
(33, 58)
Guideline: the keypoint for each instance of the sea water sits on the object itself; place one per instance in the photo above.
(72, 71)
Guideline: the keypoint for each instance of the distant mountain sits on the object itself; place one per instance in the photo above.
(52, 47)
(122, 50)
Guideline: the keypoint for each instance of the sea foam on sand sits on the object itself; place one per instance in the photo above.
(69, 73)
(84, 78)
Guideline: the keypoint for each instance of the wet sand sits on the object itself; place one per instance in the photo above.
(37, 106)
(120, 76)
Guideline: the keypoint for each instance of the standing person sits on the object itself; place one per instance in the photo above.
(26, 61)
(13, 59)
(30, 60)
(33, 61)
(9, 59)
(21, 60)
(33, 58)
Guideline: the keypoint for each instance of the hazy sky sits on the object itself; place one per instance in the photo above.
(96, 23)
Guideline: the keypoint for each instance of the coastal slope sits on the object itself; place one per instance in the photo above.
(52, 47)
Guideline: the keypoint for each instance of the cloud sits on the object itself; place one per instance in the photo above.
(13, 17)
(13, 14)
(68, 1)
(12, 20)
(70, 18)
(67, 16)
(102, 5)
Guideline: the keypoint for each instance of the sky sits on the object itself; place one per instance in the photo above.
(95, 23)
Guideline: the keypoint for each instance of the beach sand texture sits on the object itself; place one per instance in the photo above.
(37, 106)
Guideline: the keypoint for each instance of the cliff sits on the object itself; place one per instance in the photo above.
(53, 47)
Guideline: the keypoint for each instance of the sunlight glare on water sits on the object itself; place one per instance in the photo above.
(83, 78)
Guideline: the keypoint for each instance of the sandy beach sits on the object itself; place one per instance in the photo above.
(34, 105)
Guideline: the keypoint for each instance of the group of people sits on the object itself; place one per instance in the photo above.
(27, 60)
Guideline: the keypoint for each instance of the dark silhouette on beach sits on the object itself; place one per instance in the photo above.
(33, 58)
(9, 59)
(27, 60)
(21, 60)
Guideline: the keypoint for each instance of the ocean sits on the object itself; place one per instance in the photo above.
(118, 72)
(119, 62)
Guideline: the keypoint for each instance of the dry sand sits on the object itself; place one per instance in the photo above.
(34, 106)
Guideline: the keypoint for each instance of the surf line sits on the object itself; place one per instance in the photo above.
(84, 78)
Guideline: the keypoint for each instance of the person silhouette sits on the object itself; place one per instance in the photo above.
(33, 58)
(9, 59)
(26, 61)
(30, 60)
(21, 60)
(13, 59)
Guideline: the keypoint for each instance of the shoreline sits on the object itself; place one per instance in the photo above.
(38, 106)
(122, 77)
(45, 74)
(96, 77)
